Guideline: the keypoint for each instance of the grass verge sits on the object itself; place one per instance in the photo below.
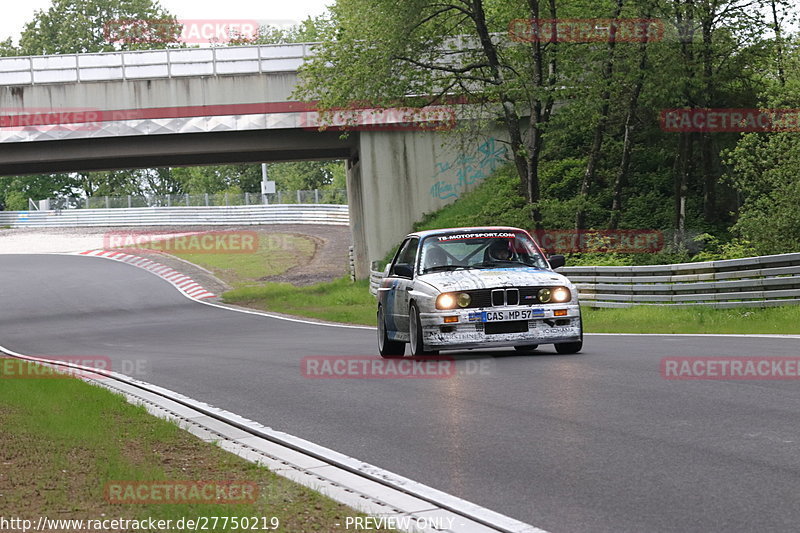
(650, 319)
(63, 440)
(340, 300)
(274, 254)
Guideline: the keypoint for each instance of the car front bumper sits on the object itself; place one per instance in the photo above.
(470, 331)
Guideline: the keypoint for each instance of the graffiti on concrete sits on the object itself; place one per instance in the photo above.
(467, 169)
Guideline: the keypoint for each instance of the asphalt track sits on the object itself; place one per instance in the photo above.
(591, 442)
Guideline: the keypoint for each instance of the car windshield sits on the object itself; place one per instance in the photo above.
(481, 249)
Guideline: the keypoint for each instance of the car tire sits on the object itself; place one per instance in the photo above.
(415, 333)
(525, 348)
(388, 348)
(571, 347)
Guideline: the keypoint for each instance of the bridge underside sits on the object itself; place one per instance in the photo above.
(113, 153)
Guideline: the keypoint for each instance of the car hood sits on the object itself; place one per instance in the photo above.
(470, 279)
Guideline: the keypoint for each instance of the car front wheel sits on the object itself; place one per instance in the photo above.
(571, 347)
(415, 333)
(388, 348)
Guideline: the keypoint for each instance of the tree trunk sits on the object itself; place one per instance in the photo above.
(706, 148)
(528, 179)
(683, 167)
(627, 143)
(600, 127)
(682, 186)
(776, 27)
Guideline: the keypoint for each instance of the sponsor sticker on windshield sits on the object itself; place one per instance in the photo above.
(480, 235)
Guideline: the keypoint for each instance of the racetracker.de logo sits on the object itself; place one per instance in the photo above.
(49, 119)
(211, 242)
(63, 367)
(188, 31)
(429, 118)
(371, 367)
(730, 120)
(592, 30)
(623, 241)
(733, 368)
(181, 492)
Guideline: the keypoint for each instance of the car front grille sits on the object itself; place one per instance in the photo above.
(503, 296)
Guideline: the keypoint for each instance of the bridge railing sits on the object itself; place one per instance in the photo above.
(765, 281)
(150, 64)
(181, 216)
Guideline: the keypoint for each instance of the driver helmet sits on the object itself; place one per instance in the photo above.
(500, 250)
(435, 256)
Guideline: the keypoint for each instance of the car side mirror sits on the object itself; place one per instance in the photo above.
(557, 261)
(403, 270)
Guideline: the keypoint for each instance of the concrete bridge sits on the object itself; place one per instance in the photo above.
(224, 105)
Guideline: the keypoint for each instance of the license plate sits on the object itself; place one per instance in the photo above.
(505, 315)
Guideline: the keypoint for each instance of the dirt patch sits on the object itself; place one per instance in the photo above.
(330, 259)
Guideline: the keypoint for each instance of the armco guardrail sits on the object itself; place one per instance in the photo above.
(181, 216)
(765, 281)
(750, 282)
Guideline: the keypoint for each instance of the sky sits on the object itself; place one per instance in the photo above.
(16, 13)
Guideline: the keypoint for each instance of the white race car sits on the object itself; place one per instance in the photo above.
(475, 288)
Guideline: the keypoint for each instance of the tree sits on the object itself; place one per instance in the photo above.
(764, 168)
(77, 26)
(381, 51)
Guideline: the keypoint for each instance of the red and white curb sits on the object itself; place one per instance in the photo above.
(183, 283)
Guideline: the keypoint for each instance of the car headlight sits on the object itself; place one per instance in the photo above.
(445, 301)
(561, 294)
(545, 295)
(463, 299)
(451, 300)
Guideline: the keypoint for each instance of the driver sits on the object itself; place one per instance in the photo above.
(500, 250)
(435, 257)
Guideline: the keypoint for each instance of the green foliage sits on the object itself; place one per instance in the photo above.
(16, 201)
(75, 26)
(764, 170)
(496, 201)
(308, 31)
(307, 175)
(340, 300)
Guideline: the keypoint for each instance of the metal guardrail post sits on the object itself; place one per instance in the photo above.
(108, 204)
(129, 201)
(298, 197)
(316, 196)
(206, 199)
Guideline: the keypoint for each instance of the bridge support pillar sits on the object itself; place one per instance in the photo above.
(355, 201)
